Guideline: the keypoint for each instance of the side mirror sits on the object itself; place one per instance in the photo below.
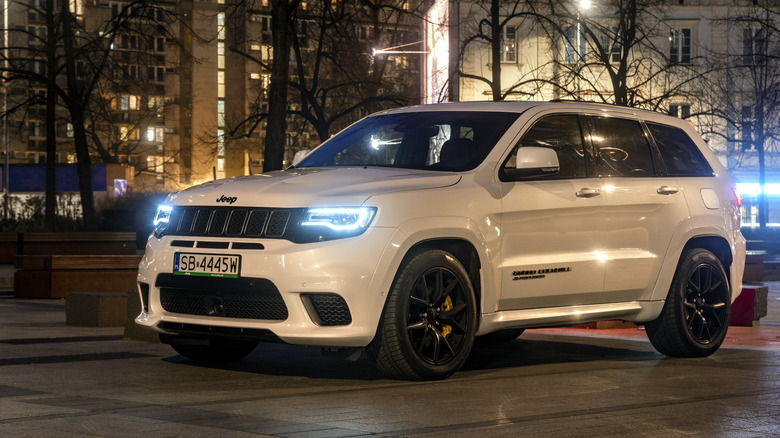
(300, 155)
(532, 162)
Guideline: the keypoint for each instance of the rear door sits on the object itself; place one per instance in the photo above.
(645, 208)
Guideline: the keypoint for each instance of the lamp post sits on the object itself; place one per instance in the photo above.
(581, 5)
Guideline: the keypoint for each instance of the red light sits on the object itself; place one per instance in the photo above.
(737, 196)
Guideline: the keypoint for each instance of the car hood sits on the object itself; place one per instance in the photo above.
(311, 187)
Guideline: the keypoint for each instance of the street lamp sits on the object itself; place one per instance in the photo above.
(394, 50)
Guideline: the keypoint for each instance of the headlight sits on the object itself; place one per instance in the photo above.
(161, 219)
(328, 223)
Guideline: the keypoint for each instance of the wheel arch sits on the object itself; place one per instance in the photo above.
(717, 245)
(465, 252)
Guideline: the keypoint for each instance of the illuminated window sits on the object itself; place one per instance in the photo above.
(753, 46)
(129, 102)
(610, 41)
(128, 133)
(220, 142)
(680, 46)
(155, 163)
(574, 45)
(747, 128)
(508, 44)
(221, 113)
(154, 134)
(681, 110)
(156, 102)
(221, 26)
(221, 55)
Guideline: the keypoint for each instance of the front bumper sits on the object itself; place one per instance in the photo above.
(324, 294)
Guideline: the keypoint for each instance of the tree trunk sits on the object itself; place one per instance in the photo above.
(495, 48)
(76, 107)
(50, 210)
(276, 133)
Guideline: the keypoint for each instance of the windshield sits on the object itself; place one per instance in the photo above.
(445, 140)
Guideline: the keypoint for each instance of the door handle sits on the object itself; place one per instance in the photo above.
(588, 193)
(666, 190)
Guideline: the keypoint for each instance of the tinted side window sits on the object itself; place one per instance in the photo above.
(621, 148)
(561, 133)
(680, 154)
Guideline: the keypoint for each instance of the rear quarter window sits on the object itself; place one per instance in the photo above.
(680, 154)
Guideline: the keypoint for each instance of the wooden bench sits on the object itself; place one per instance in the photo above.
(54, 276)
(41, 243)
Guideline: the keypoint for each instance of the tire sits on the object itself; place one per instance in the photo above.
(427, 329)
(500, 336)
(695, 316)
(215, 349)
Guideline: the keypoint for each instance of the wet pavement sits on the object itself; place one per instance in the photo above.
(65, 381)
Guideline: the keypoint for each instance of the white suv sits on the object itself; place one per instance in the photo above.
(416, 230)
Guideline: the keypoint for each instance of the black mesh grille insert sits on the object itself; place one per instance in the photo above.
(271, 223)
(331, 309)
(256, 223)
(246, 298)
(218, 219)
(278, 223)
(188, 217)
(236, 224)
(201, 221)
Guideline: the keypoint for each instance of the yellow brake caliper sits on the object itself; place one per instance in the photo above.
(446, 306)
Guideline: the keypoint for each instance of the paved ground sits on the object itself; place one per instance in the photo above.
(64, 381)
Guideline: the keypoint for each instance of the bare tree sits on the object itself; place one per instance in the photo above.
(743, 92)
(615, 51)
(333, 78)
(337, 78)
(73, 61)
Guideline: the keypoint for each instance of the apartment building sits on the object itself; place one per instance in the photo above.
(182, 97)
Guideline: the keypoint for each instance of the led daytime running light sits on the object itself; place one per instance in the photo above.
(340, 218)
(163, 214)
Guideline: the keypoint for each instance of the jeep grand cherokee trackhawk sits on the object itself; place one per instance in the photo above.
(415, 230)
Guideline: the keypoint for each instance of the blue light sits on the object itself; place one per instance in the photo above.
(754, 189)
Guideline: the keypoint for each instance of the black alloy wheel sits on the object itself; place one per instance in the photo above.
(438, 316)
(695, 316)
(428, 325)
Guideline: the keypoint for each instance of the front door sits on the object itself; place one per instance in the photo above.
(552, 227)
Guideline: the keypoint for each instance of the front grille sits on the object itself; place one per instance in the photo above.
(245, 298)
(272, 223)
(330, 309)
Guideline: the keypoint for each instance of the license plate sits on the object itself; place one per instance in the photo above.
(207, 265)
